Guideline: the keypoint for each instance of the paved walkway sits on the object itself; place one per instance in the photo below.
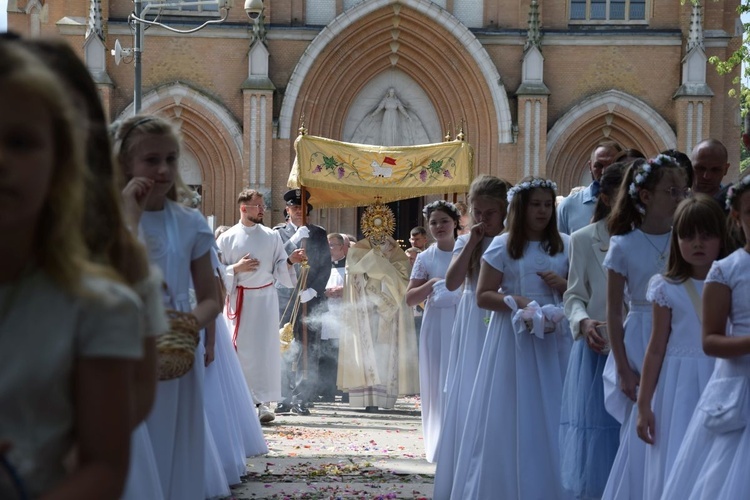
(342, 452)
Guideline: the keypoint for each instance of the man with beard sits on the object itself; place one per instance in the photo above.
(255, 259)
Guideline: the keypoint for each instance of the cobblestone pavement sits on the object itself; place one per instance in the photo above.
(342, 452)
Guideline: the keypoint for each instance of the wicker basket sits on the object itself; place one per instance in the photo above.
(177, 347)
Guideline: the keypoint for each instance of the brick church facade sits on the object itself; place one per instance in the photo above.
(534, 85)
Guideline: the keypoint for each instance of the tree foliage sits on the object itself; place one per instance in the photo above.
(738, 57)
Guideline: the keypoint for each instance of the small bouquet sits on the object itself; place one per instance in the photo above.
(442, 297)
(534, 319)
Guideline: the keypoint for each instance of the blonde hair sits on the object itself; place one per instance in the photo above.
(105, 232)
(126, 131)
(59, 250)
(496, 190)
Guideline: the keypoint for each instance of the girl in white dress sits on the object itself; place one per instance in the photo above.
(509, 447)
(245, 433)
(427, 282)
(674, 355)
(178, 242)
(487, 198)
(110, 242)
(712, 461)
(640, 225)
(72, 335)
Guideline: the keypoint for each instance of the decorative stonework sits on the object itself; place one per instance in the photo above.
(624, 118)
(212, 137)
(416, 123)
(450, 42)
(694, 62)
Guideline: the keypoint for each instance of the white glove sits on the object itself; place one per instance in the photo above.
(442, 297)
(301, 233)
(307, 295)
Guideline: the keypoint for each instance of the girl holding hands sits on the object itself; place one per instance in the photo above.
(589, 436)
(428, 283)
(510, 439)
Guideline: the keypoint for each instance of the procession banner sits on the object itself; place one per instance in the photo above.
(341, 174)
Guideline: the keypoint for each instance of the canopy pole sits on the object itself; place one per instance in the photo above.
(303, 197)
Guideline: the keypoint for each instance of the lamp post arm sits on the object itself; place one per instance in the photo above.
(140, 20)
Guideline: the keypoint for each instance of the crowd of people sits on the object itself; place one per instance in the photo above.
(591, 348)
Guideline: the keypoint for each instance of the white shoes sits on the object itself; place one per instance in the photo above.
(265, 415)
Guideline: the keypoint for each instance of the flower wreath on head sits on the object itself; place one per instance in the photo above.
(536, 183)
(737, 189)
(643, 172)
(440, 204)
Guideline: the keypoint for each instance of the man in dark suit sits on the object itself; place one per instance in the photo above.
(298, 383)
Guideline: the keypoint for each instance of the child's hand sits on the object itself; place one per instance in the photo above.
(208, 357)
(629, 381)
(588, 329)
(646, 426)
(138, 189)
(134, 197)
(554, 280)
(476, 234)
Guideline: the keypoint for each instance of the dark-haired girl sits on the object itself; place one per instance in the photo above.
(427, 283)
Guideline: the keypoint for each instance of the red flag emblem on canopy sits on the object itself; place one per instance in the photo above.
(390, 161)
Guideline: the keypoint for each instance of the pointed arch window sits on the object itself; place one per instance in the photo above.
(608, 11)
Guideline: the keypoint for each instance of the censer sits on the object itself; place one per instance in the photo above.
(286, 332)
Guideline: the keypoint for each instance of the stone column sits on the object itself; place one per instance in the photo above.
(257, 98)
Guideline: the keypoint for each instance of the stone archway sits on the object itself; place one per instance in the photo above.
(211, 135)
(611, 115)
(419, 39)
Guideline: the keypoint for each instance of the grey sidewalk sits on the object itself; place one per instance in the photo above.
(342, 452)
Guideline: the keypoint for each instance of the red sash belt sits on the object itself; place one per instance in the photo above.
(237, 314)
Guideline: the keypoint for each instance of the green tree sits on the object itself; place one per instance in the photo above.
(742, 54)
(724, 67)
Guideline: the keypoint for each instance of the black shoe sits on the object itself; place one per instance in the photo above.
(300, 409)
(283, 408)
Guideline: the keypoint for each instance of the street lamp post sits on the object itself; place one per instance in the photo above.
(138, 51)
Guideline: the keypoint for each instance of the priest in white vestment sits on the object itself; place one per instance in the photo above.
(378, 359)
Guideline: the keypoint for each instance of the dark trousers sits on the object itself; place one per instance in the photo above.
(298, 385)
(328, 368)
